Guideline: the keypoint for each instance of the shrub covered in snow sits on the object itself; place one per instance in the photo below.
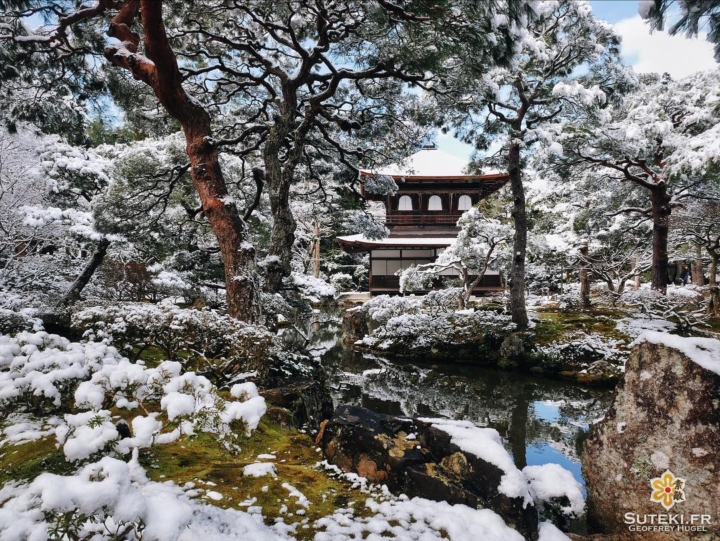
(112, 499)
(584, 348)
(12, 322)
(416, 325)
(214, 344)
(43, 374)
(312, 289)
(342, 282)
(40, 371)
(382, 308)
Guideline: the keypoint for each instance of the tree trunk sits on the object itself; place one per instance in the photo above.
(584, 277)
(697, 268)
(279, 180)
(73, 294)
(160, 71)
(635, 264)
(714, 304)
(518, 310)
(660, 200)
(316, 250)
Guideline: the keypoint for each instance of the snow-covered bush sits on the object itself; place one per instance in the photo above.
(342, 282)
(442, 301)
(684, 305)
(584, 348)
(312, 289)
(112, 499)
(417, 324)
(12, 322)
(41, 373)
(214, 344)
(383, 307)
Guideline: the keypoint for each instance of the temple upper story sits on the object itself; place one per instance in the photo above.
(433, 192)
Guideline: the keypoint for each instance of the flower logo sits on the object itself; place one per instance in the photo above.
(667, 490)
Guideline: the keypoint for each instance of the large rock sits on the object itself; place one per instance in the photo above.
(307, 401)
(665, 416)
(416, 458)
(355, 324)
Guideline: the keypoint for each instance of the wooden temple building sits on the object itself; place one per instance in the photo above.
(433, 192)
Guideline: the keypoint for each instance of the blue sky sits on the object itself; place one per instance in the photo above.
(644, 51)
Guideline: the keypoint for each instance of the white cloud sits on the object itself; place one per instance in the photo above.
(659, 52)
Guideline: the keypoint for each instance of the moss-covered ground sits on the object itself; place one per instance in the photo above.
(213, 470)
(557, 327)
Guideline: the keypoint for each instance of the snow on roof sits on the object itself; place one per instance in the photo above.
(362, 240)
(428, 162)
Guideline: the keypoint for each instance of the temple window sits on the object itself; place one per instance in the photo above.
(405, 203)
(435, 203)
(464, 203)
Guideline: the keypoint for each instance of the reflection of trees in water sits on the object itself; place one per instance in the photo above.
(486, 396)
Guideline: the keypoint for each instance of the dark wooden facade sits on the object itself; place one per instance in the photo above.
(422, 217)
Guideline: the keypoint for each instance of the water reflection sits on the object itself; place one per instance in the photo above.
(541, 420)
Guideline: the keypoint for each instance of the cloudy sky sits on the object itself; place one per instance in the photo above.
(646, 52)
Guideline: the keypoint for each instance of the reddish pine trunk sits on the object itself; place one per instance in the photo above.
(659, 200)
(159, 70)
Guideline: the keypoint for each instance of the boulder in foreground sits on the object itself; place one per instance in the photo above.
(665, 418)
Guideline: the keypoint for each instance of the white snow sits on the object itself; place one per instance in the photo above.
(295, 493)
(416, 519)
(553, 481)
(703, 351)
(485, 443)
(260, 469)
(549, 532)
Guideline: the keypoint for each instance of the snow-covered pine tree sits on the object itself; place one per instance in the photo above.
(565, 59)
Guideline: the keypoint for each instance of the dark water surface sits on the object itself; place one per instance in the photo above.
(541, 420)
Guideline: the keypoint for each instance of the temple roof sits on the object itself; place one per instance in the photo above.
(429, 162)
(361, 241)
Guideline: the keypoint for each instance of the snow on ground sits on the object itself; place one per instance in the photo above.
(417, 519)
(635, 327)
(260, 469)
(703, 351)
(117, 498)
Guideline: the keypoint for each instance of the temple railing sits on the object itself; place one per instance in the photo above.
(422, 218)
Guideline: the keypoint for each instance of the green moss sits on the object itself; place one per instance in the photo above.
(555, 326)
(200, 459)
(25, 462)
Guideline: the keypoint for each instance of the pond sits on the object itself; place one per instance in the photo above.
(541, 420)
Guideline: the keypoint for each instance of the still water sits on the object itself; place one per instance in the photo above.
(541, 420)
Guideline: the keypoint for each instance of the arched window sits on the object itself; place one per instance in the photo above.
(464, 203)
(435, 203)
(405, 203)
